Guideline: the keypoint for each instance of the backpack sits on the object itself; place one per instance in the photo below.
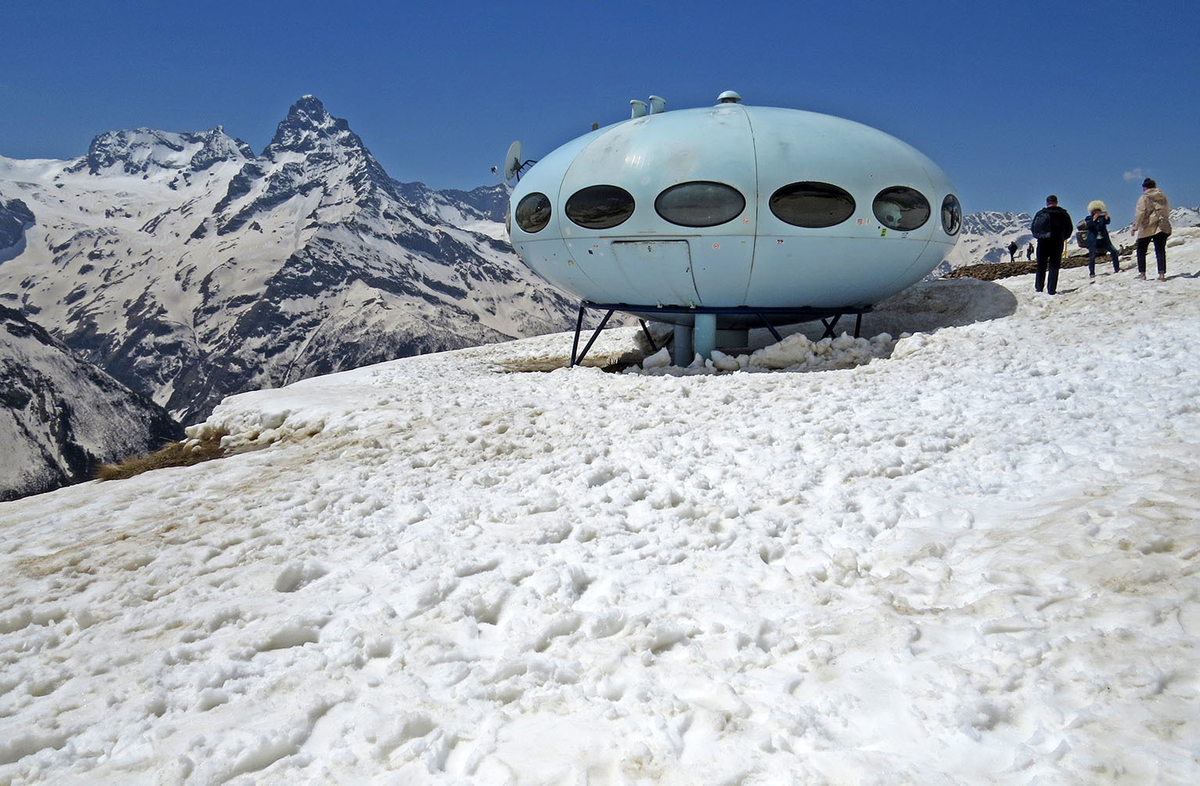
(1081, 233)
(1041, 226)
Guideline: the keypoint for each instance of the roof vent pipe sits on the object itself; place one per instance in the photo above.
(638, 108)
(657, 104)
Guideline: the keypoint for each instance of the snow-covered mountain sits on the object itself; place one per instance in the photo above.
(191, 269)
(60, 416)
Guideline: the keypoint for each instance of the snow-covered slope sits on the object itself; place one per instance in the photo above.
(966, 557)
(189, 268)
(60, 417)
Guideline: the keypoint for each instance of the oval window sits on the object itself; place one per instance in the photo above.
(951, 215)
(812, 205)
(533, 212)
(900, 207)
(600, 207)
(700, 204)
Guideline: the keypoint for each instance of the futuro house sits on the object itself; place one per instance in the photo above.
(732, 216)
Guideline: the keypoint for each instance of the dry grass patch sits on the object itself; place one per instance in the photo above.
(997, 270)
(549, 364)
(173, 454)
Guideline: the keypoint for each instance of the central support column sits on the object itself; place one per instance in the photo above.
(683, 345)
(704, 336)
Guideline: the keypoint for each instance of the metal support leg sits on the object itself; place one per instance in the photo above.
(830, 325)
(574, 360)
(704, 335)
(649, 338)
(770, 327)
(858, 325)
(578, 327)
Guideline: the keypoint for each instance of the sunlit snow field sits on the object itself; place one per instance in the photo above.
(965, 555)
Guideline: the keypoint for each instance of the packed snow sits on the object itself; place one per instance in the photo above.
(968, 554)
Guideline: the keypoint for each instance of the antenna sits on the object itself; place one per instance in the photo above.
(513, 165)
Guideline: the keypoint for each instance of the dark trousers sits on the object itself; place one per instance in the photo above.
(1049, 257)
(1160, 252)
(1096, 244)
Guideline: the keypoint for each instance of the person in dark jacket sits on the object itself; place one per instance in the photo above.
(1012, 251)
(1097, 237)
(1052, 227)
(1029, 252)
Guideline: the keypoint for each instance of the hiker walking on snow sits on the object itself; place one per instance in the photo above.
(1012, 251)
(1097, 237)
(1051, 226)
(1152, 222)
(1029, 252)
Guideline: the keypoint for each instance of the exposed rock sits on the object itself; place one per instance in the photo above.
(60, 417)
(15, 218)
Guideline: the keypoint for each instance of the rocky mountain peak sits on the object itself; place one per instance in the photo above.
(143, 151)
(312, 149)
(133, 151)
(216, 146)
(309, 128)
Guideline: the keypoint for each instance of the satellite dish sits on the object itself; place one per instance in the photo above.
(513, 165)
(512, 160)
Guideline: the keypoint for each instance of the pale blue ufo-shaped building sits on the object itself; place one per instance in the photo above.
(732, 216)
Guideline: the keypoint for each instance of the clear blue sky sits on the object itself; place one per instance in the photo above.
(1014, 100)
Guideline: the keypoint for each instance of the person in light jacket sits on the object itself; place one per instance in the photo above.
(1152, 223)
(1097, 237)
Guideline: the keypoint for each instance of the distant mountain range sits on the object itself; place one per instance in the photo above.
(985, 236)
(190, 268)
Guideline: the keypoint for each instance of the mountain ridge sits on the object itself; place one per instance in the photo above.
(191, 268)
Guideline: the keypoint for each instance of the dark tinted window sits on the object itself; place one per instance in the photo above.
(533, 212)
(812, 205)
(951, 215)
(900, 207)
(600, 207)
(700, 204)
